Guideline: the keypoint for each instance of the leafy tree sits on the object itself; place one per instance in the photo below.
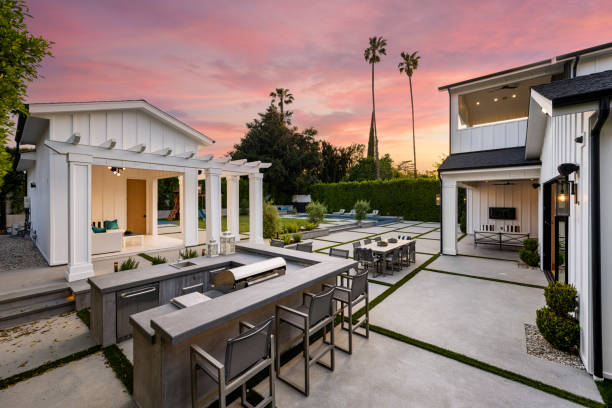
(14, 183)
(20, 56)
(271, 220)
(408, 64)
(405, 167)
(295, 156)
(337, 161)
(372, 55)
(316, 212)
(284, 98)
(365, 169)
(361, 208)
(165, 192)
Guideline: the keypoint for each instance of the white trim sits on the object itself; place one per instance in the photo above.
(489, 169)
(60, 107)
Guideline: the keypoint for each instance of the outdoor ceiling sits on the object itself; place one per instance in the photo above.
(504, 102)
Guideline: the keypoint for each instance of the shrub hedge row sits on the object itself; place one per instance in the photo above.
(414, 199)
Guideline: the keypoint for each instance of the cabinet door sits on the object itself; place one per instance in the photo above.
(191, 283)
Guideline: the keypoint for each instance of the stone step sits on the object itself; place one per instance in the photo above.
(32, 296)
(15, 316)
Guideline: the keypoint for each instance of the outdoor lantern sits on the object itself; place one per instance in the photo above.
(563, 200)
(213, 248)
(228, 243)
(438, 199)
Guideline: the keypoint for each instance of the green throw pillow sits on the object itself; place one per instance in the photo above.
(109, 225)
(98, 230)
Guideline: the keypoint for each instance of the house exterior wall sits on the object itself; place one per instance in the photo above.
(127, 127)
(39, 174)
(594, 63)
(559, 147)
(486, 137)
(521, 195)
(606, 245)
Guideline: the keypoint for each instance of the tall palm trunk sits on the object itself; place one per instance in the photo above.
(375, 131)
(413, 138)
(282, 113)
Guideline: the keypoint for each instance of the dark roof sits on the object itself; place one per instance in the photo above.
(493, 75)
(510, 157)
(576, 90)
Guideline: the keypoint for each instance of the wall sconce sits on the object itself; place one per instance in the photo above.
(33, 185)
(562, 202)
(438, 199)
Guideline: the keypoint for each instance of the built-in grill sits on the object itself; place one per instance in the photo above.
(247, 275)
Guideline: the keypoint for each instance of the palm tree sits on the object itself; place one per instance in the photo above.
(372, 56)
(284, 98)
(409, 64)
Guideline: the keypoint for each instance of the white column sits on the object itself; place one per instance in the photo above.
(449, 217)
(79, 218)
(189, 218)
(233, 205)
(151, 206)
(213, 204)
(182, 203)
(256, 208)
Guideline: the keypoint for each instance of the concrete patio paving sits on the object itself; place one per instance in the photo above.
(383, 372)
(481, 319)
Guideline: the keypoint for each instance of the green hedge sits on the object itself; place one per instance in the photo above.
(414, 199)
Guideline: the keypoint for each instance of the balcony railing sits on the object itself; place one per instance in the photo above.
(509, 133)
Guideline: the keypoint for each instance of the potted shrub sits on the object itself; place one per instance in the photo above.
(271, 220)
(554, 321)
(316, 212)
(361, 208)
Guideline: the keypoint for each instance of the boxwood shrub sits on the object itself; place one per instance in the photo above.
(414, 199)
(561, 298)
(563, 332)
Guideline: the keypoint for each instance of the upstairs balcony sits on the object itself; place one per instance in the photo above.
(491, 118)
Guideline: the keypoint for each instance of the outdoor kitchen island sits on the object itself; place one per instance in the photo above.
(163, 335)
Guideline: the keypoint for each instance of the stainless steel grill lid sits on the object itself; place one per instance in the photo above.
(229, 277)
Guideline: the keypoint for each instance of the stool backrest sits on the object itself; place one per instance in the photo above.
(367, 241)
(340, 253)
(246, 350)
(304, 247)
(320, 306)
(376, 239)
(367, 255)
(359, 284)
(277, 243)
(356, 244)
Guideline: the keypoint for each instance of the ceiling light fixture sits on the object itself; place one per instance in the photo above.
(514, 95)
(496, 99)
(477, 103)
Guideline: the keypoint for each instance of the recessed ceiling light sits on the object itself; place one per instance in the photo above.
(495, 100)
(477, 103)
(514, 95)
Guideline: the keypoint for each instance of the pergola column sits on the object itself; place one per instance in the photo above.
(233, 205)
(449, 217)
(79, 217)
(189, 218)
(152, 206)
(256, 208)
(213, 204)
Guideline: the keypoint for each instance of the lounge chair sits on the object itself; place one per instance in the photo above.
(373, 214)
(352, 213)
(341, 212)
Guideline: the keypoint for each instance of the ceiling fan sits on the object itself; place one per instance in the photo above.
(507, 86)
(507, 183)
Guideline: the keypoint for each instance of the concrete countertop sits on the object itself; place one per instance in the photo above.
(177, 325)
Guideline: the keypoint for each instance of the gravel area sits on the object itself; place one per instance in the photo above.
(539, 347)
(19, 253)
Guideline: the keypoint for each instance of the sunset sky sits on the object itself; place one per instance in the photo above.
(212, 64)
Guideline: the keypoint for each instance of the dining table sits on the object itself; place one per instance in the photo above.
(383, 251)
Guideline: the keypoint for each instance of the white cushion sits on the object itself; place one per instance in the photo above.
(105, 242)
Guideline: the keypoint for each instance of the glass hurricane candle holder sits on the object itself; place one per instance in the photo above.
(213, 248)
(228, 243)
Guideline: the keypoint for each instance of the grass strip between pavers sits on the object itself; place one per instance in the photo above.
(377, 282)
(488, 257)
(26, 375)
(605, 389)
(488, 367)
(124, 370)
(461, 237)
(145, 256)
(529, 285)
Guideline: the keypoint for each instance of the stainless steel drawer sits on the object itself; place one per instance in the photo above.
(134, 300)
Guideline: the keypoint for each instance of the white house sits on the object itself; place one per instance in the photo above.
(100, 161)
(532, 145)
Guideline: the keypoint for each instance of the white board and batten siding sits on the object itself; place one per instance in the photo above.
(521, 195)
(559, 147)
(127, 127)
(488, 137)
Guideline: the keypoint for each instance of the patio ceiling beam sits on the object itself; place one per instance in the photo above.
(109, 144)
(253, 164)
(206, 158)
(139, 148)
(186, 155)
(166, 151)
(222, 160)
(238, 162)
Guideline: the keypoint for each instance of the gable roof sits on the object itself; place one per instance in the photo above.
(135, 104)
(510, 157)
(577, 90)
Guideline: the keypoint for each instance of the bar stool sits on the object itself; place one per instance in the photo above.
(354, 289)
(309, 318)
(245, 356)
